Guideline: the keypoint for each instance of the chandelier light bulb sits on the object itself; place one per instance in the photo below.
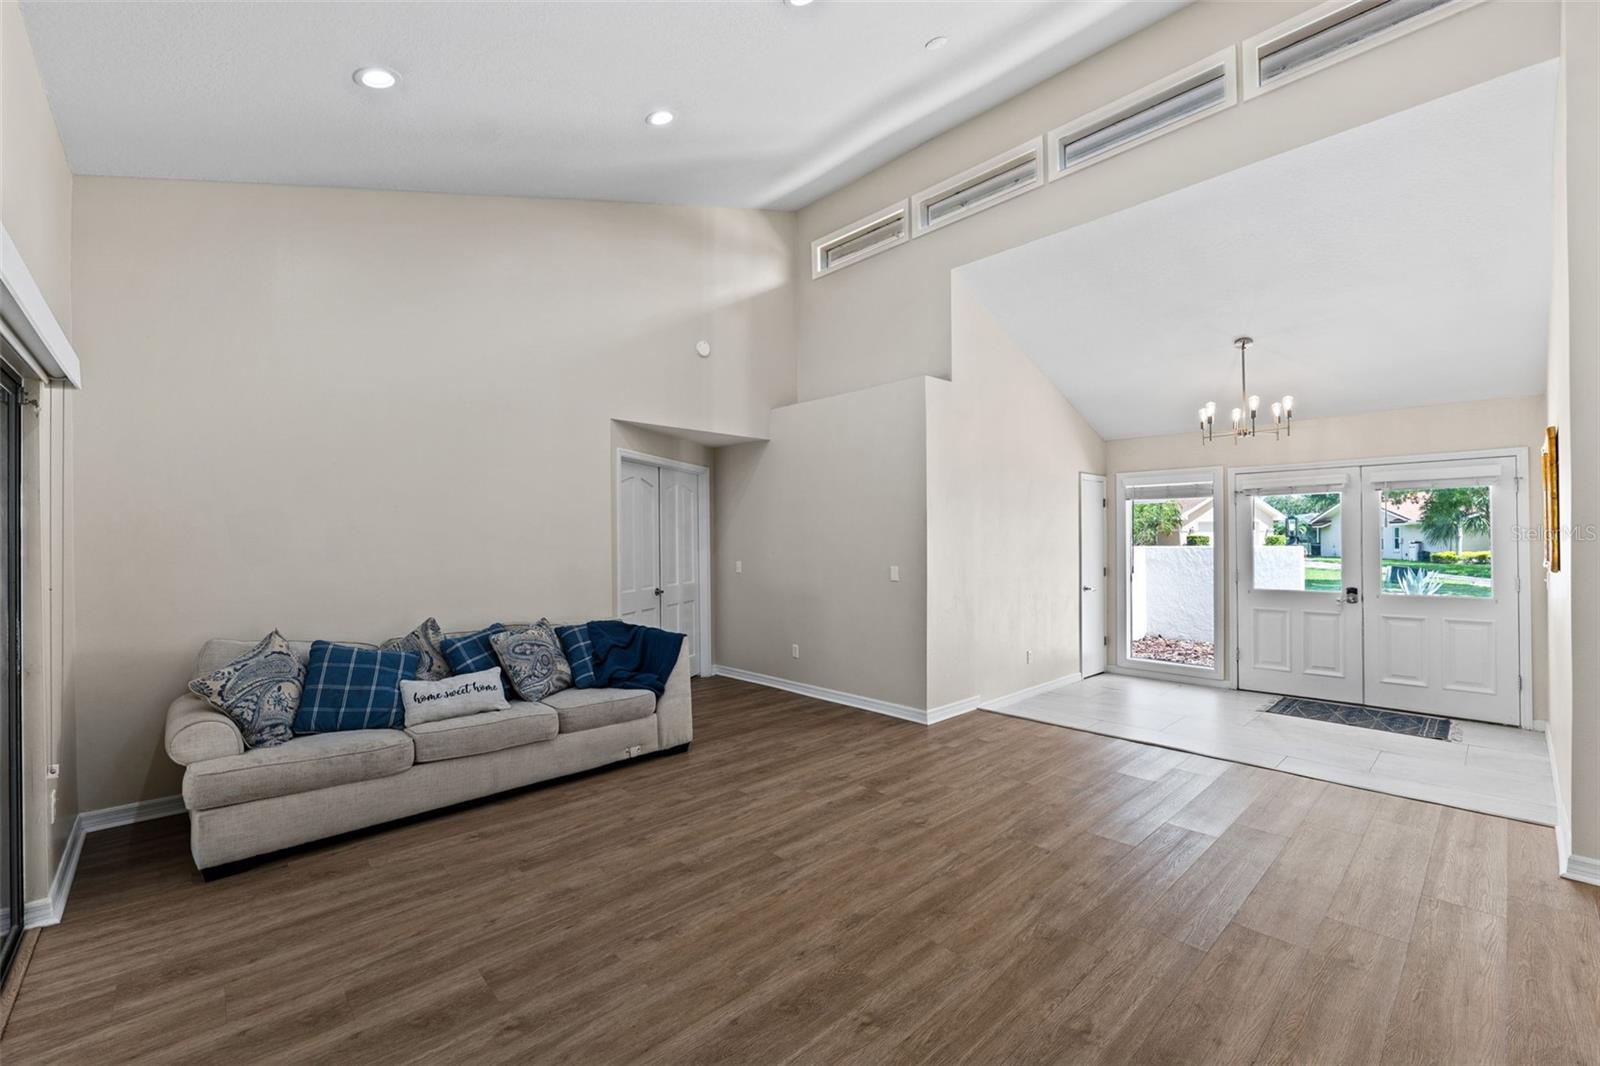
(1288, 404)
(1255, 404)
(1277, 412)
(1236, 414)
(1211, 409)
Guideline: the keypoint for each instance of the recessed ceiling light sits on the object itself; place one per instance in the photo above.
(377, 78)
(936, 43)
(659, 118)
(797, 3)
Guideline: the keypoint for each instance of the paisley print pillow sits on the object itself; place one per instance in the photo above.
(533, 660)
(260, 690)
(426, 642)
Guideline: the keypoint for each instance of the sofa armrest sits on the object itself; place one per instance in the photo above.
(197, 731)
(674, 713)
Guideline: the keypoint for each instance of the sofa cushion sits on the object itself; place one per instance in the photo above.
(532, 659)
(261, 690)
(301, 765)
(468, 653)
(591, 708)
(575, 646)
(476, 734)
(350, 687)
(427, 642)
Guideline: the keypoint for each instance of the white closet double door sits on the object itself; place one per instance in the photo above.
(1361, 611)
(658, 550)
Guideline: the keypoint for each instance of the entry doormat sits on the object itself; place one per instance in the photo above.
(1412, 725)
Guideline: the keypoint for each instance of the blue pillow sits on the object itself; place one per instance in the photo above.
(352, 688)
(580, 656)
(473, 652)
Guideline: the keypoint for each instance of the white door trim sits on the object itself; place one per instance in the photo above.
(1120, 661)
(1524, 553)
(703, 477)
(1084, 480)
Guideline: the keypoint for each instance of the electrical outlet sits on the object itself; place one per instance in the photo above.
(633, 752)
(794, 650)
(738, 566)
(1030, 655)
(52, 804)
(894, 573)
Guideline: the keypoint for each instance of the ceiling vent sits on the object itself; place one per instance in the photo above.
(991, 182)
(1331, 32)
(862, 239)
(1187, 96)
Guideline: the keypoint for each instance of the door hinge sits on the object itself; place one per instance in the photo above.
(1105, 641)
(1105, 572)
(1519, 682)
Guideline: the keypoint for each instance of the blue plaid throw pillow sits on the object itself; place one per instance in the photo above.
(352, 688)
(580, 656)
(470, 653)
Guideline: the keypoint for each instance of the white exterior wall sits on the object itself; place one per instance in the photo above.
(1279, 566)
(1172, 593)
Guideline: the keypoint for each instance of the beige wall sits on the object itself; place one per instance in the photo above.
(889, 317)
(36, 210)
(1516, 423)
(1574, 408)
(1558, 647)
(817, 515)
(1005, 449)
(336, 412)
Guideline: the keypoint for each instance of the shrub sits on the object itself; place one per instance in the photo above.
(1274, 540)
(1198, 540)
(1472, 558)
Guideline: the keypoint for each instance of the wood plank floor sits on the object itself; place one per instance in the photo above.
(812, 884)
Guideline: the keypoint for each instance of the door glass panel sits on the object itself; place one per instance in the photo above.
(1295, 542)
(1172, 592)
(1435, 541)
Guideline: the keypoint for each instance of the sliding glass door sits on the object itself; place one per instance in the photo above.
(11, 903)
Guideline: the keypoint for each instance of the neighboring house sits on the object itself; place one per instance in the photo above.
(1400, 538)
(1198, 517)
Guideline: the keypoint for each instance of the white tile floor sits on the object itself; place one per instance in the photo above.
(1492, 769)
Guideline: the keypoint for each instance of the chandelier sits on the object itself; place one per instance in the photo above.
(1244, 416)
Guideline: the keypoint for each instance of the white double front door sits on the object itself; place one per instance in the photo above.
(658, 550)
(1401, 590)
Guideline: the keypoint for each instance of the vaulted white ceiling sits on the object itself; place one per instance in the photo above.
(1400, 264)
(776, 105)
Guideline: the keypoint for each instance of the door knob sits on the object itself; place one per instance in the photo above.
(1086, 588)
(661, 592)
(1352, 595)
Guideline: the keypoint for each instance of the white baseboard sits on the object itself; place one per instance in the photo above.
(932, 716)
(48, 911)
(1573, 867)
(1002, 702)
(850, 699)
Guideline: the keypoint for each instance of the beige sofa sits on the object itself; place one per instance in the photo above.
(243, 803)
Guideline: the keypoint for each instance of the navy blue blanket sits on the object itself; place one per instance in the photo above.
(630, 656)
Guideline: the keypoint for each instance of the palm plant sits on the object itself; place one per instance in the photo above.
(1451, 513)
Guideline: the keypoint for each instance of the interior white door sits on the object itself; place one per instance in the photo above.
(639, 543)
(1092, 574)
(1445, 644)
(680, 558)
(1298, 632)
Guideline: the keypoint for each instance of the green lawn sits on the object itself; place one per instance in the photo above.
(1324, 574)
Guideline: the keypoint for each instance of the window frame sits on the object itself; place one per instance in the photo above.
(1250, 61)
(1227, 58)
(1123, 661)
